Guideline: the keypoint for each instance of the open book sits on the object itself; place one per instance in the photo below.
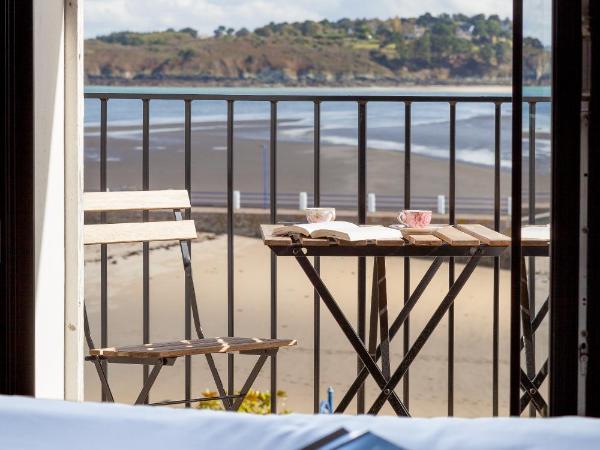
(344, 231)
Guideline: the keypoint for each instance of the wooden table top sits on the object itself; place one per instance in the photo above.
(455, 240)
(458, 235)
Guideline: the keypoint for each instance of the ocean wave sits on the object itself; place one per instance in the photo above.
(479, 156)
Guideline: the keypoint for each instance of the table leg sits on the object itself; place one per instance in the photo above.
(527, 330)
(379, 316)
(530, 381)
(427, 331)
(348, 331)
(394, 329)
(373, 322)
(383, 317)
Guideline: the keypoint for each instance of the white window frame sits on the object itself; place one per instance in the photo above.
(58, 92)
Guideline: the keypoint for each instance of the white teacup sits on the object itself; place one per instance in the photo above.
(315, 215)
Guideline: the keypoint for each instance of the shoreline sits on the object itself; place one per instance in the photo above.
(454, 86)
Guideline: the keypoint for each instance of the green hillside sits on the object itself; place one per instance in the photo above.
(426, 49)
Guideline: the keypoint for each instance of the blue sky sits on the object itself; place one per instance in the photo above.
(105, 16)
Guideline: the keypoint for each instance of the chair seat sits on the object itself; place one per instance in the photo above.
(192, 347)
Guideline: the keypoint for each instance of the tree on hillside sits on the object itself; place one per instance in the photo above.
(186, 54)
(423, 49)
(220, 31)
(189, 31)
(503, 52)
(310, 28)
(402, 48)
(242, 32)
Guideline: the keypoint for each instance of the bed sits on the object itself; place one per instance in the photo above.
(27, 423)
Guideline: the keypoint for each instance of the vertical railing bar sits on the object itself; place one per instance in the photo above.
(362, 217)
(496, 299)
(407, 180)
(146, 245)
(532, 201)
(452, 220)
(317, 260)
(516, 193)
(230, 241)
(273, 214)
(103, 247)
(188, 216)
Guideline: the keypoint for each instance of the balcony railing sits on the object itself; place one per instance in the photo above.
(273, 201)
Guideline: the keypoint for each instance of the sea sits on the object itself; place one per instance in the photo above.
(385, 121)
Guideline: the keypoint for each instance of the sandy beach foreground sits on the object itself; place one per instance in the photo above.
(428, 375)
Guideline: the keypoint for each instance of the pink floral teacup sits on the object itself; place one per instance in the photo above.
(315, 215)
(415, 218)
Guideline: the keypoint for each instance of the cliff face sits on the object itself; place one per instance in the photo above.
(295, 59)
(232, 61)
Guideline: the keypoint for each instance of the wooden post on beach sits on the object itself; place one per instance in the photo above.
(237, 202)
(302, 201)
(441, 204)
(371, 203)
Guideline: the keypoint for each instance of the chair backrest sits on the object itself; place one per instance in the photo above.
(137, 231)
(178, 229)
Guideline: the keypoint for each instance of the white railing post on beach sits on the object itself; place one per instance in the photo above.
(441, 204)
(237, 202)
(509, 206)
(302, 201)
(371, 202)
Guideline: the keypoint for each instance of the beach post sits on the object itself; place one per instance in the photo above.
(371, 202)
(441, 204)
(302, 201)
(237, 202)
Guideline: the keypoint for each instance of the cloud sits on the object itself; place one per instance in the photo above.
(105, 16)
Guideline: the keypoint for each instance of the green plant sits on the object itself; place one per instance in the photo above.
(256, 402)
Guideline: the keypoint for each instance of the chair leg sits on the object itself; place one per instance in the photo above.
(227, 404)
(251, 378)
(103, 380)
(149, 382)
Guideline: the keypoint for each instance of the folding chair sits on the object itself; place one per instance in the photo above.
(164, 354)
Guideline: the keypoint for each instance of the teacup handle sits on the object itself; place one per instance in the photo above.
(402, 218)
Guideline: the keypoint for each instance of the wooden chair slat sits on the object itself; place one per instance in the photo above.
(135, 200)
(138, 232)
(192, 347)
(485, 235)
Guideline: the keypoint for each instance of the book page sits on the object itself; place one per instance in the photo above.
(323, 229)
(375, 233)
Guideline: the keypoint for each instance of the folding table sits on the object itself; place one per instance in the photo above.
(472, 241)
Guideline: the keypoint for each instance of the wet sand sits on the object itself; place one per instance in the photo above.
(339, 167)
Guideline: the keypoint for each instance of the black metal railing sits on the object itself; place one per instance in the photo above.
(276, 200)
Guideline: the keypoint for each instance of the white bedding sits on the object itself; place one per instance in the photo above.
(47, 424)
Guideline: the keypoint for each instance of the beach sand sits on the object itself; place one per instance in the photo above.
(339, 167)
(428, 374)
(385, 175)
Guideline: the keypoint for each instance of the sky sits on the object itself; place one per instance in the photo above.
(106, 16)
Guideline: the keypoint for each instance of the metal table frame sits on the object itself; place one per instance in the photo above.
(385, 379)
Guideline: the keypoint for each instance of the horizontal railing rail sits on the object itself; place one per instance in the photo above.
(384, 202)
(274, 200)
(117, 95)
